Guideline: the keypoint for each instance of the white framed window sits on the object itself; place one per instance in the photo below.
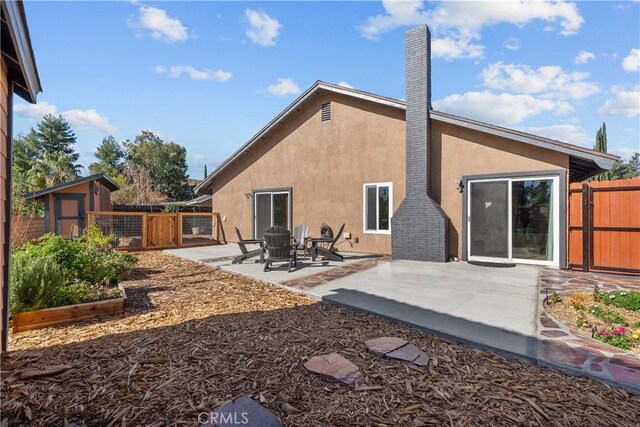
(377, 207)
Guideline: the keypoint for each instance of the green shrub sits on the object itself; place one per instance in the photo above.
(57, 271)
(629, 300)
(608, 316)
(36, 282)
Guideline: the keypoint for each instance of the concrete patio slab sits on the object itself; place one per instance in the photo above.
(492, 307)
(222, 255)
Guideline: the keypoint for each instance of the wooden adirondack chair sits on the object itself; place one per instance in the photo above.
(300, 236)
(246, 253)
(279, 247)
(328, 252)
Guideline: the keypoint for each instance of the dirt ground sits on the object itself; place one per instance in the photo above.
(194, 337)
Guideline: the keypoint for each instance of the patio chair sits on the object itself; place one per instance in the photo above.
(300, 237)
(329, 252)
(279, 247)
(246, 253)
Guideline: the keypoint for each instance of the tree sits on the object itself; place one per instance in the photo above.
(601, 146)
(626, 170)
(601, 139)
(137, 189)
(165, 162)
(111, 158)
(54, 135)
(205, 171)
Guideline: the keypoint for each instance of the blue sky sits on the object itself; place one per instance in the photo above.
(209, 75)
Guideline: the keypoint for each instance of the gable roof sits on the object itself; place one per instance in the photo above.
(101, 177)
(586, 162)
(18, 52)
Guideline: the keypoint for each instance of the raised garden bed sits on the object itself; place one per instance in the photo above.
(610, 317)
(68, 313)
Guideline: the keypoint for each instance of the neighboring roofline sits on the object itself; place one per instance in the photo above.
(110, 183)
(21, 39)
(603, 160)
(200, 199)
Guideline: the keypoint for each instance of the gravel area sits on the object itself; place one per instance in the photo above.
(194, 337)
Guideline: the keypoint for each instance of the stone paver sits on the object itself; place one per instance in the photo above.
(336, 367)
(241, 411)
(397, 348)
(563, 346)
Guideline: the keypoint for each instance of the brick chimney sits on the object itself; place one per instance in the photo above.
(420, 228)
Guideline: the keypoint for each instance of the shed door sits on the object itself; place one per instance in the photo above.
(69, 214)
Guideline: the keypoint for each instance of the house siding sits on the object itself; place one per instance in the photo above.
(457, 151)
(4, 165)
(325, 164)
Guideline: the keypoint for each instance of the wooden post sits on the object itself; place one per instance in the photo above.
(144, 230)
(179, 231)
(585, 227)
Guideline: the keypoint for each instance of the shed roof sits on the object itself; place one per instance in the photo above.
(584, 162)
(101, 177)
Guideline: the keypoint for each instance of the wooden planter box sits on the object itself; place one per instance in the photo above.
(68, 313)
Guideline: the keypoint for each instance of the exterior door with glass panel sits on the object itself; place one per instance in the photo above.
(270, 209)
(514, 219)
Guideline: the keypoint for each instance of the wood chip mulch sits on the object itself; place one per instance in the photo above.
(194, 337)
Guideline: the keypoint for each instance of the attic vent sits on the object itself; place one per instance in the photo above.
(326, 112)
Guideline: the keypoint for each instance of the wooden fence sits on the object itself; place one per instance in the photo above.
(26, 228)
(604, 226)
(145, 230)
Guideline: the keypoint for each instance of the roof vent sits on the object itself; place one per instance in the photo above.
(326, 112)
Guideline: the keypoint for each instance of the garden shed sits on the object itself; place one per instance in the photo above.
(66, 205)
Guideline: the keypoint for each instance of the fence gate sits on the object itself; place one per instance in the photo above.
(142, 230)
(604, 226)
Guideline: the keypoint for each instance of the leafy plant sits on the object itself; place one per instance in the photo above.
(608, 316)
(58, 271)
(35, 283)
(579, 301)
(614, 335)
(629, 300)
(554, 298)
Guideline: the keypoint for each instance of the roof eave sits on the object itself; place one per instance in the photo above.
(21, 40)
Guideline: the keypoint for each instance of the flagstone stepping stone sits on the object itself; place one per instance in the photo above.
(397, 348)
(336, 367)
(241, 411)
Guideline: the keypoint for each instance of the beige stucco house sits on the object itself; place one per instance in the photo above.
(405, 179)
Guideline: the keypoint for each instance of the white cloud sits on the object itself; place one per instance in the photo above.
(88, 119)
(35, 111)
(83, 119)
(460, 22)
(284, 87)
(632, 62)
(193, 73)
(547, 81)
(584, 57)
(263, 29)
(624, 103)
(512, 44)
(566, 133)
(624, 152)
(502, 109)
(456, 47)
(160, 25)
(345, 84)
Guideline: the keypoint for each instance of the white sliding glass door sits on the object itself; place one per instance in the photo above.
(271, 208)
(514, 219)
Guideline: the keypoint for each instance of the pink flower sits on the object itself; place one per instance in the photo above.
(606, 334)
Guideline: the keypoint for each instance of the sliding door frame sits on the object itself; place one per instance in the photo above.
(285, 190)
(560, 213)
